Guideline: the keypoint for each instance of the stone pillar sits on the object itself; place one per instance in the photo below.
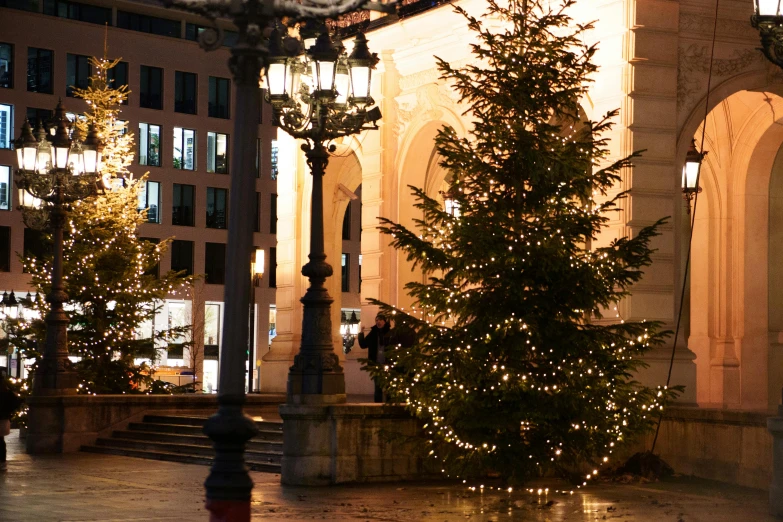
(292, 240)
(775, 426)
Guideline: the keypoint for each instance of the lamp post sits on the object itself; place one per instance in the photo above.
(349, 329)
(55, 171)
(690, 174)
(328, 103)
(228, 485)
(767, 18)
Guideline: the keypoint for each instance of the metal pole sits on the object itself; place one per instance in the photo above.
(229, 486)
(55, 375)
(316, 376)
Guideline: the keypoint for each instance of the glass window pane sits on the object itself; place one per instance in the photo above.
(6, 125)
(6, 65)
(5, 187)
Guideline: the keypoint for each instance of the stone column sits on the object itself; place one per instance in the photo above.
(775, 426)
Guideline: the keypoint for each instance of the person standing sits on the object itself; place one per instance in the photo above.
(376, 341)
(9, 404)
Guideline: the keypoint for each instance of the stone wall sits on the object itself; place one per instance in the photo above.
(64, 424)
(724, 445)
(325, 445)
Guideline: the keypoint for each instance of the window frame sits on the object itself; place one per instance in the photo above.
(219, 105)
(181, 90)
(145, 87)
(182, 148)
(212, 200)
(210, 258)
(178, 192)
(145, 204)
(80, 81)
(212, 158)
(145, 137)
(7, 172)
(176, 244)
(7, 121)
(9, 82)
(37, 72)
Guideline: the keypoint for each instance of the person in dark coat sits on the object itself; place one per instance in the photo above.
(9, 404)
(376, 341)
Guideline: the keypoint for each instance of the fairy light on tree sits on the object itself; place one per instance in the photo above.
(511, 371)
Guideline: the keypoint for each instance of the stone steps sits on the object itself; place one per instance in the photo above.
(181, 439)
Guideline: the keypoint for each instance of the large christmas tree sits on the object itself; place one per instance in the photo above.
(512, 371)
(109, 271)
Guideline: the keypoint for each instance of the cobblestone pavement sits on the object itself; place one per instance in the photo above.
(90, 487)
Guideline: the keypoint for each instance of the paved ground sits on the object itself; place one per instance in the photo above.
(88, 487)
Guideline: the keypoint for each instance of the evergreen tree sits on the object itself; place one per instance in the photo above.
(512, 370)
(108, 270)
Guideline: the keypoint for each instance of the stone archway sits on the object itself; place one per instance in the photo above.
(730, 323)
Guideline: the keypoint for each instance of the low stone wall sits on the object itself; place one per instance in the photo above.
(64, 424)
(729, 446)
(325, 445)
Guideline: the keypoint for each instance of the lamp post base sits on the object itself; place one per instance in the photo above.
(54, 382)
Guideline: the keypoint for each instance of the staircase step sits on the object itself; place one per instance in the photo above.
(183, 420)
(186, 449)
(263, 434)
(177, 457)
(198, 440)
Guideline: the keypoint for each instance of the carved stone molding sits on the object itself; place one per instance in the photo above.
(694, 66)
(693, 24)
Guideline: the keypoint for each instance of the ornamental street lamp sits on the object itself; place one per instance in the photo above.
(328, 103)
(690, 174)
(768, 19)
(349, 329)
(228, 486)
(54, 172)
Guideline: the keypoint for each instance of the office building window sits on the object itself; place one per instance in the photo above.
(40, 67)
(149, 200)
(151, 87)
(219, 96)
(185, 92)
(184, 149)
(184, 205)
(5, 249)
(182, 256)
(118, 75)
(347, 222)
(257, 220)
(77, 73)
(77, 11)
(36, 115)
(217, 153)
(149, 24)
(215, 263)
(217, 207)
(5, 187)
(346, 273)
(272, 267)
(273, 214)
(6, 125)
(6, 65)
(258, 158)
(149, 144)
(273, 158)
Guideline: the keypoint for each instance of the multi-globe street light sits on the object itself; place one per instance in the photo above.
(228, 486)
(54, 171)
(318, 96)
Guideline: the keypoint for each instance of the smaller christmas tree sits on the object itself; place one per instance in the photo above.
(110, 273)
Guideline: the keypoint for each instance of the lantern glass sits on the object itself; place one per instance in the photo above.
(768, 7)
(29, 157)
(690, 174)
(323, 74)
(360, 81)
(90, 158)
(276, 79)
(342, 83)
(27, 200)
(61, 154)
(258, 268)
(43, 158)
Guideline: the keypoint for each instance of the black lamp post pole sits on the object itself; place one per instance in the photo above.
(55, 375)
(229, 486)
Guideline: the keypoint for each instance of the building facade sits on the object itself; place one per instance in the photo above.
(180, 111)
